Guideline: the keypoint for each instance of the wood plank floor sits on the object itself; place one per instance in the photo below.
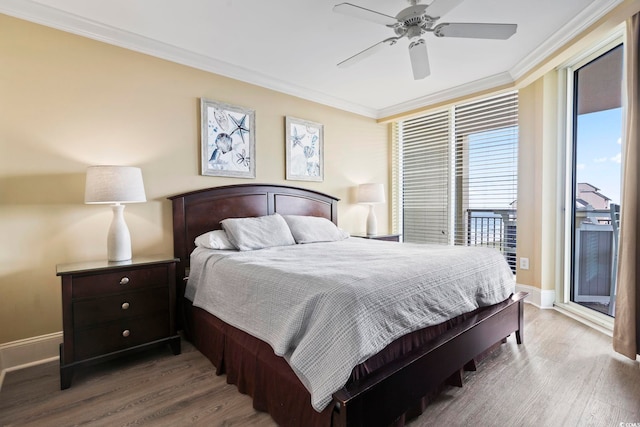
(565, 374)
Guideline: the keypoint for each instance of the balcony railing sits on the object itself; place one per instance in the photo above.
(595, 259)
(596, 249)
(495, 228)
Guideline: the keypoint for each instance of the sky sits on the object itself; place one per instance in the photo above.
(599, 150)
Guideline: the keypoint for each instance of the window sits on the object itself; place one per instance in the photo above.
(458, 175)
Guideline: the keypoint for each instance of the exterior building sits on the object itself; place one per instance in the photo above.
(587, 195)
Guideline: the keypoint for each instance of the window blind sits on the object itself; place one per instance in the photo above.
(459, 175)
(425, 178)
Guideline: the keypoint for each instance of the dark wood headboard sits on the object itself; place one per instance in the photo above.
(197, 212)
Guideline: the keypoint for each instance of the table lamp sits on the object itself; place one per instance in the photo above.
(371, 194)
(115, 185)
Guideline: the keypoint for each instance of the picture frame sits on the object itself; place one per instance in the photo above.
(304, 141)
(228, 146)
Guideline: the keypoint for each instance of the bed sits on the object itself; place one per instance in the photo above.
(384, 389)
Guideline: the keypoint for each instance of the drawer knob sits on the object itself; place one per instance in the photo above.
(125, 305)
(126, 333)
(124, 280)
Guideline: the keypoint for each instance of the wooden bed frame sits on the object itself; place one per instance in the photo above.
(382, 397)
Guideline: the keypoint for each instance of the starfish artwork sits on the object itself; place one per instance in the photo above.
(241, 127)
(228, 140)
(304, 142)
(296, 139)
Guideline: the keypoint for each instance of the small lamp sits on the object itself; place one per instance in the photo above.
(115, 185)
(371, 194)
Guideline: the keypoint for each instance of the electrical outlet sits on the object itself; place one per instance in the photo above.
(524, 263)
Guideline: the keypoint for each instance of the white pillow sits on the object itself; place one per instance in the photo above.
(248, 234)
(216, 239)
(310, 229)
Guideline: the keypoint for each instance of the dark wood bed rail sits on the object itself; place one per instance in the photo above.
(382, 397)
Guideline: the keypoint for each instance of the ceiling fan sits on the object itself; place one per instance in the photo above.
(416, 20)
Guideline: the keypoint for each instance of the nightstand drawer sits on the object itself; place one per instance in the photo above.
(131, 304)
(110, 309)
(119, 281)
(120, 335)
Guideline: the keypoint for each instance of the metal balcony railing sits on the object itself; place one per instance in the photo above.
(495, 228)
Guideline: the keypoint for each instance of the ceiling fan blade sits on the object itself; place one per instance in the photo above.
(368, 52)
(419, 59)
(476, 31)
(437, 8)
(366, 14)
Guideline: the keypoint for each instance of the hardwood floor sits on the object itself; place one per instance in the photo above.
(565, 374)
(151, 388)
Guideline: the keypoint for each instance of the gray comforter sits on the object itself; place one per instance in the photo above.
(326, 307)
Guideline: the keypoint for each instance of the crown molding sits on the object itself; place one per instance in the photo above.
(463, 90)
(573, 28)
(577, 25)
(54, 18)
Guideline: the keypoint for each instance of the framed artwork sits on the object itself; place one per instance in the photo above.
(228, 140)
(304, 150)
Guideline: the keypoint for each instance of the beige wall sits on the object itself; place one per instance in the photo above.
(68, 102)
(529, 186)
(539, 182)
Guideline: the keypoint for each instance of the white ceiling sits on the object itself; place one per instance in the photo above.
(293, 46)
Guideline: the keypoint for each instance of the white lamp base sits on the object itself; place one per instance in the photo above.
(118, 239)
(372, 222)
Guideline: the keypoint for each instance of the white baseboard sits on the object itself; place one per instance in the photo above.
(28, 352)
(538, 297)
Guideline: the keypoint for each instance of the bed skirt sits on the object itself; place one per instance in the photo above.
(253, 367)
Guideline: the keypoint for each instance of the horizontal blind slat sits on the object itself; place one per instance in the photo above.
(473, 161)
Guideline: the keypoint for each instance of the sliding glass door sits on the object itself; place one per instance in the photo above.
(596, 178)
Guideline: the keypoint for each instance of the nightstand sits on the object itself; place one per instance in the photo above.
(110, 309)
(388, 237)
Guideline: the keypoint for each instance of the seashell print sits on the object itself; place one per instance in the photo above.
(219, 165)
(215, 155)
(242, 159)
(223, 142)
(313, 169)
(221, 119)
(309, 152)
(312, 130)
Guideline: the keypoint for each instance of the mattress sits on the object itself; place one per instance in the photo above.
(327, 307)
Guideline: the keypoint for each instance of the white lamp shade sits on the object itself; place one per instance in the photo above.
(371, 193)
(114, 184)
